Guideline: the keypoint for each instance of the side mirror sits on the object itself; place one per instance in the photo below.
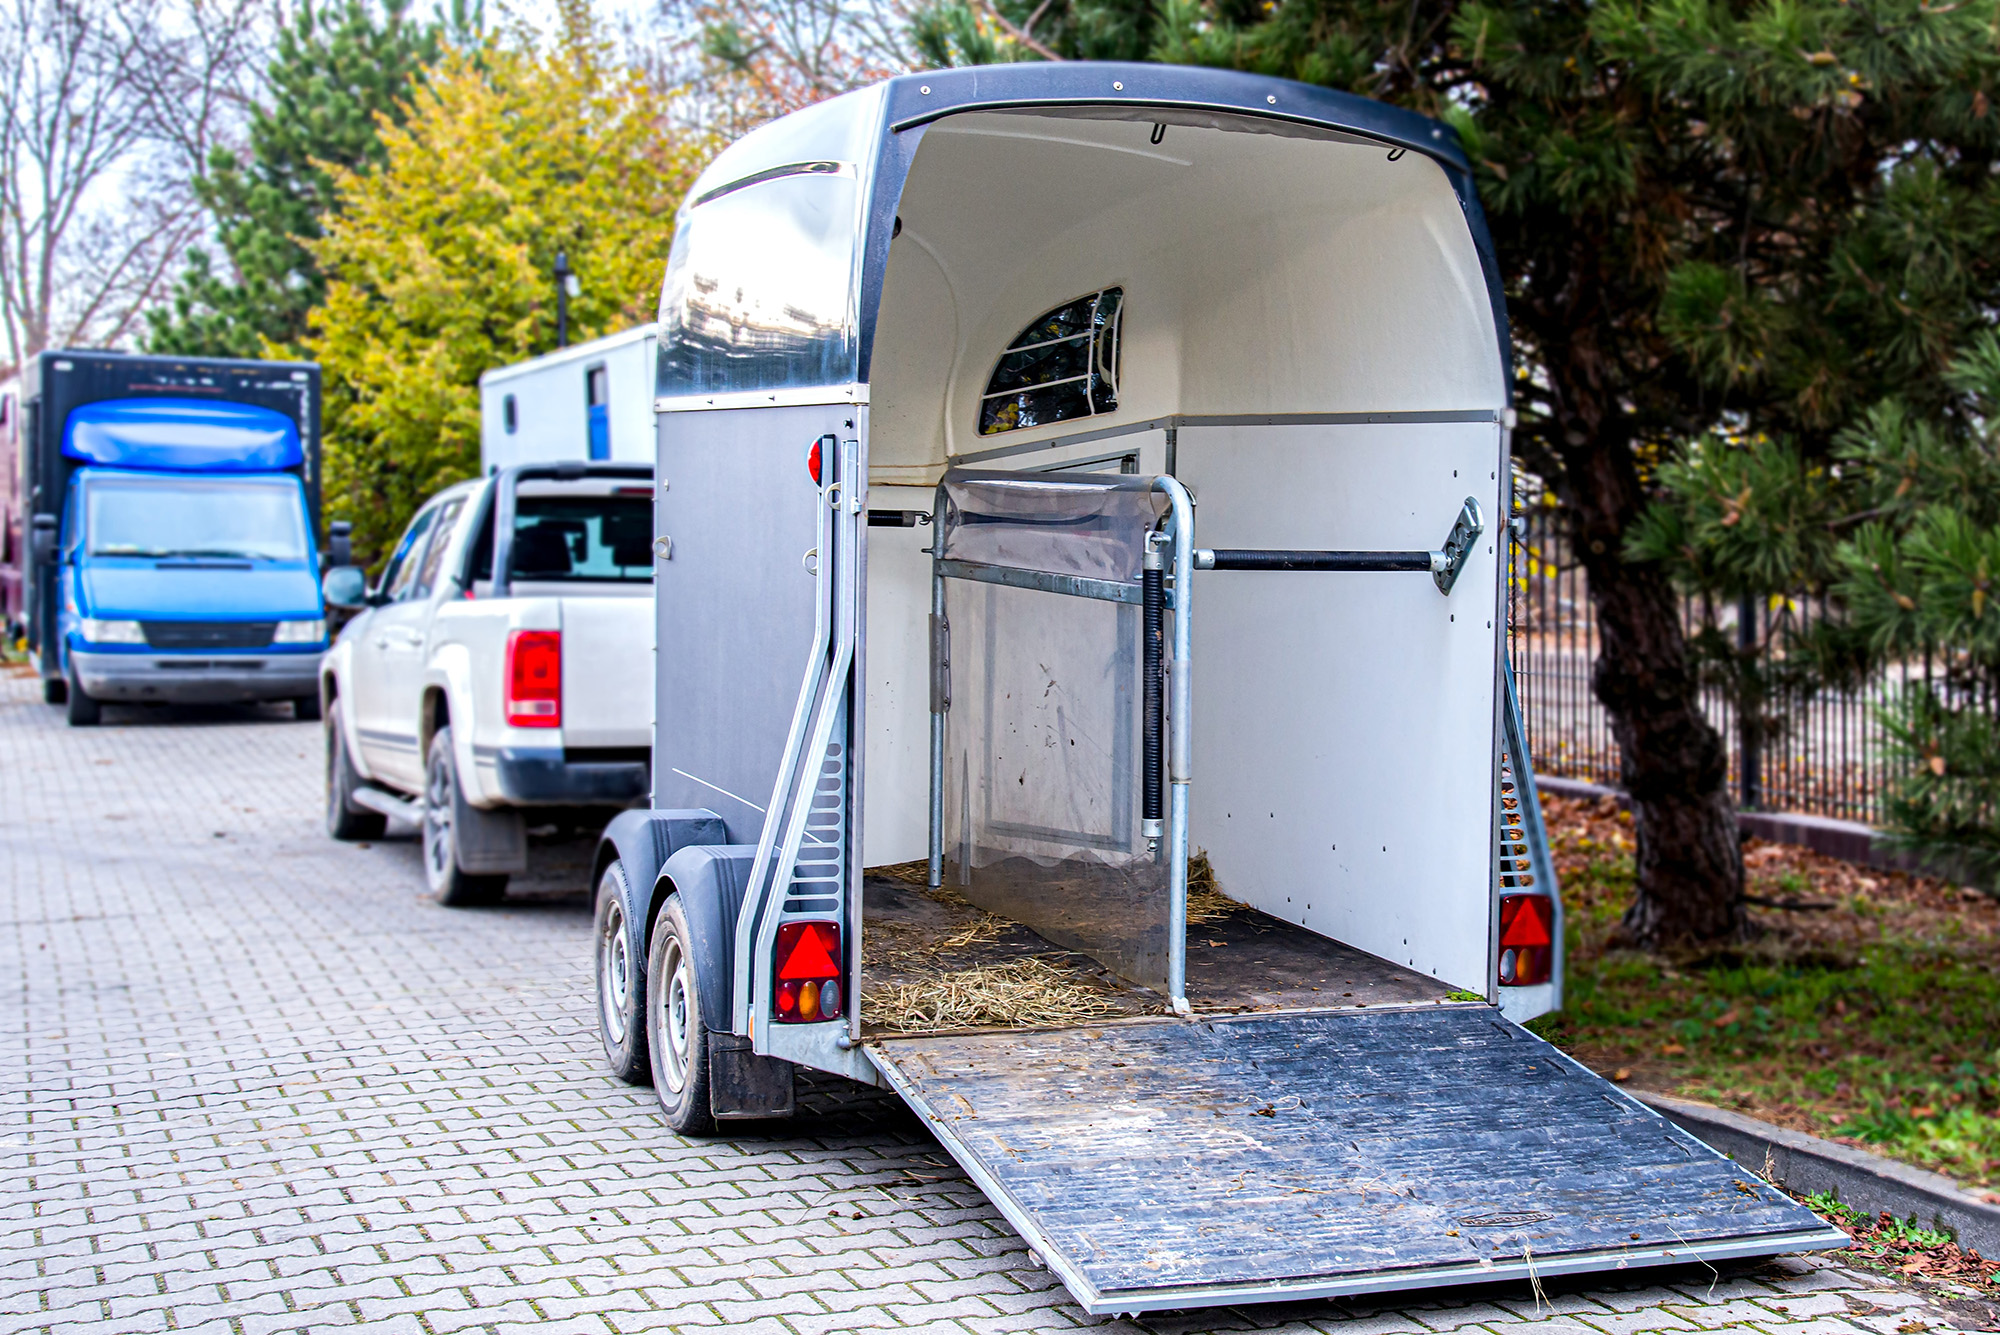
(340, 543)
(345, 587)
(42, 541)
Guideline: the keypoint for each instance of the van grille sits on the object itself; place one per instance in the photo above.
(209, 634)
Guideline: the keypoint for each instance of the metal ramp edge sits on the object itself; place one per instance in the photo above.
(889, 1055)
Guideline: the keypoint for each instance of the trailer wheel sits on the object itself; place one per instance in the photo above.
(83, 711)
(676, 1035)
(345, 819)
(621, 984)
(55, 690)
(453, 886)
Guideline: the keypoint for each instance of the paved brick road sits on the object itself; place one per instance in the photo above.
(255, 1082)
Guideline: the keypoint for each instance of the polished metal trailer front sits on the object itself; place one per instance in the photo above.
(1168, 1164)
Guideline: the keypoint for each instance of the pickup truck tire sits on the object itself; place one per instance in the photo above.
(82, 712)
(621, 984)
(345, 819)
(305, 708)
(54, 690)
(676, 1035)
(453, 886)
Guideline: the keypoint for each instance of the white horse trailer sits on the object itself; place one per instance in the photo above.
(590, 401)
(1065, 469)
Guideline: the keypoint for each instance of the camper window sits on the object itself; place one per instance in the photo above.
(510, 417)
(1062, 366)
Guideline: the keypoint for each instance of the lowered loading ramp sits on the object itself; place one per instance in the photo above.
(1165, 1163)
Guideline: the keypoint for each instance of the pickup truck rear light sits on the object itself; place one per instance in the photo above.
(808, 957)
(1527, 940)
(534, 679)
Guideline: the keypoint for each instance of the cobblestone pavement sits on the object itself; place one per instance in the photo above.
(255, 1082)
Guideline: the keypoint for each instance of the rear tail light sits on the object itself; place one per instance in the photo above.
(534, 679)
(808, 957)
(1527, 940)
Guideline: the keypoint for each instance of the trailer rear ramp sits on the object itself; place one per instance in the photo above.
(1164, 1163)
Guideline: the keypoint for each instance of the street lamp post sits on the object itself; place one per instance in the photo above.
(566, 287)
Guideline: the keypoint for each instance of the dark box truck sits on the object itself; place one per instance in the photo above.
(172, 508)
(1064, 471)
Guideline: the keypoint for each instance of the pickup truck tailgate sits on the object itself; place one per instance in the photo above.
(608, 670)
(1170, 1164)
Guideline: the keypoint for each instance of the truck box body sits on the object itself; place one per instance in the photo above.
(591, 402)
(173, 507)
(1033, 323)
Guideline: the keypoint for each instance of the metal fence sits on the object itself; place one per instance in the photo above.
(1829, 759)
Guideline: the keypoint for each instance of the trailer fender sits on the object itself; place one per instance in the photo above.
(642, 841)
(711, 881)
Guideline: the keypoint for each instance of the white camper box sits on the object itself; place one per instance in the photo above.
(1122, 453)
(590, 401)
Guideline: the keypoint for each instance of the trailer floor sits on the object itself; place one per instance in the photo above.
(1245, 961)
(1185, 1163)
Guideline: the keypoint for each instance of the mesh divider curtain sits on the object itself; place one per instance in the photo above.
(1043, 762)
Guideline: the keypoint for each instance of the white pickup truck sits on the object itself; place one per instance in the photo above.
(477, 705)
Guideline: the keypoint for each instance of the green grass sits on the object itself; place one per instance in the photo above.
(1867, 1029)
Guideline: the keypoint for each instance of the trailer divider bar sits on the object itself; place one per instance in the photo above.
(1076, 586)
(1252, 559)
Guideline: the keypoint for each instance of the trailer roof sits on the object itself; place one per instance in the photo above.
(775, 281)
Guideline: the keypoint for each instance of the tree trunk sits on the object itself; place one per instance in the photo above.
(1673, 764)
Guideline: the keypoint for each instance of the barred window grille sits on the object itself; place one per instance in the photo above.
(1063, 366)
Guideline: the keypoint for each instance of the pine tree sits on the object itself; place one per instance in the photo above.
(438, 261)
(338, 70)
(1753, 217)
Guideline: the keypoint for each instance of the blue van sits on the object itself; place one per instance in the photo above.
(182, 566)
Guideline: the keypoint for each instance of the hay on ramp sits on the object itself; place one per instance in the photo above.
(1021, 993)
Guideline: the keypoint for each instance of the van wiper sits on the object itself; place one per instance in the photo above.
(230, 553)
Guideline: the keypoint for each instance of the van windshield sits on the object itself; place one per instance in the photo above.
(247, 518)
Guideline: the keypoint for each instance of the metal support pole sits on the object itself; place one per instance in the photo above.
(1749, 708)
(940, 699)
(1152, 652)
(1180, 739)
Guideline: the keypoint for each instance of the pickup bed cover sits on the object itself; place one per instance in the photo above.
(1163, 1163)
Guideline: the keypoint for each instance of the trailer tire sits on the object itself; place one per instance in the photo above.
(452, 885)
(305, 708)
(621, 983)
(82, 711)
(346, 820)
(55, 691)
(676, 1034)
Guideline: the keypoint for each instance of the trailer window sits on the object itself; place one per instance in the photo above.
(510, 417)
(1063, 366)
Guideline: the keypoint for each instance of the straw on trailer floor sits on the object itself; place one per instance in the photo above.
(932, 962)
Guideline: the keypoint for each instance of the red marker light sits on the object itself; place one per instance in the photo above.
(808, 956)
(814, 463)
(1527, 939)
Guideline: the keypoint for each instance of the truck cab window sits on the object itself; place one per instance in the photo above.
(178, 515)
(441, 531)
(573, 537)
(402, 571)
(1062, 366)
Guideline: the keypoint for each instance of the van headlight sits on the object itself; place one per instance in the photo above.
(111, 632)
(300, 632)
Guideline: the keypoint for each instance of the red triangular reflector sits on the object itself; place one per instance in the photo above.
(812, 954)
(1524, 921)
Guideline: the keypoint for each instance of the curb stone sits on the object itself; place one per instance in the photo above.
(1858, 1179)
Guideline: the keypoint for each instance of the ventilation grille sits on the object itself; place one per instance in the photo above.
(209, 634)
(1517, 860)
(819, 872)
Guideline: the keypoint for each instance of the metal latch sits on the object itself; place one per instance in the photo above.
(1465, 530)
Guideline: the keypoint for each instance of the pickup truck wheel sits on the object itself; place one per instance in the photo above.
(345, 819)
(675, 1032)
(83, 711)
(621, 984)
(453, 886)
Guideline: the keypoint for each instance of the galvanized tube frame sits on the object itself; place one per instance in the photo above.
(1178, 532)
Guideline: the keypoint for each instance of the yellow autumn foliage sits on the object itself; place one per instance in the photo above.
(439, 261)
